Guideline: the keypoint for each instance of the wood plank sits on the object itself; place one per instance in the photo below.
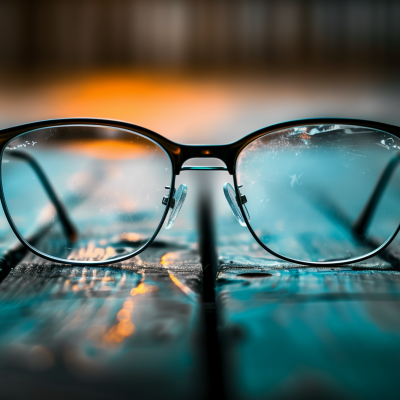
(294, 333)
(131, 330)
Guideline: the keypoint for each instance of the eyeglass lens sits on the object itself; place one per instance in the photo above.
(322, 193)
(108, 183)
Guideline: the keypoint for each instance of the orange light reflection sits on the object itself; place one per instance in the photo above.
(131, 236)
(169, 258)
(92, 253)
(185, 289)
(125, 327)
(109, 149)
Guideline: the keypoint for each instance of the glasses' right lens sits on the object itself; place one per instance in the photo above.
(85, 193)
(322, 193)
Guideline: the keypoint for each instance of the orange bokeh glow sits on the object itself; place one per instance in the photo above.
(108, 149)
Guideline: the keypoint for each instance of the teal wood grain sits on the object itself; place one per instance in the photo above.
(133, 330)
(301, 333)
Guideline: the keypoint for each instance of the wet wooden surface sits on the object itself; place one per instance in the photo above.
(132, 330)
(129, 331)
(310, 333)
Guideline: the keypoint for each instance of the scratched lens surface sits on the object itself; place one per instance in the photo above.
(85, 193)
(322, 193)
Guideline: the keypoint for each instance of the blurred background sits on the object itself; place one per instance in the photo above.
(202, 35)
(199, 71)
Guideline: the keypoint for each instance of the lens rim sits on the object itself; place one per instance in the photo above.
(395, 131)
(75, 262)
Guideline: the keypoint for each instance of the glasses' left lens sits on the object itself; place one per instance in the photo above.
(85, 193)
(322, 193)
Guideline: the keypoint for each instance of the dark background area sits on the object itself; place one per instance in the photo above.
(200, 35)
(199, 69)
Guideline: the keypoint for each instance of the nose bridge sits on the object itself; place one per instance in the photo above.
(205, 151)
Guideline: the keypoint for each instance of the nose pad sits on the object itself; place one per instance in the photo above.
(179, 198)
(231, 198)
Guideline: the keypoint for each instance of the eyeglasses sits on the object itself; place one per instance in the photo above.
(94, 192)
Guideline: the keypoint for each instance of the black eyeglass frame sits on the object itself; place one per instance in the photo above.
(178, 155)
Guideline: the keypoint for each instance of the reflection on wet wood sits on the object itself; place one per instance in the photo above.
(133, 330)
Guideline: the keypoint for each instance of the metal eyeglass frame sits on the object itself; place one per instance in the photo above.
(179, 154)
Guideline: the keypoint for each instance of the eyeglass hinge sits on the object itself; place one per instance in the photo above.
(165, 201)
(243, 198)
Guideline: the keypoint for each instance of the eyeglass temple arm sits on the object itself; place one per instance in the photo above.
(362, 222)
(70, 229)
